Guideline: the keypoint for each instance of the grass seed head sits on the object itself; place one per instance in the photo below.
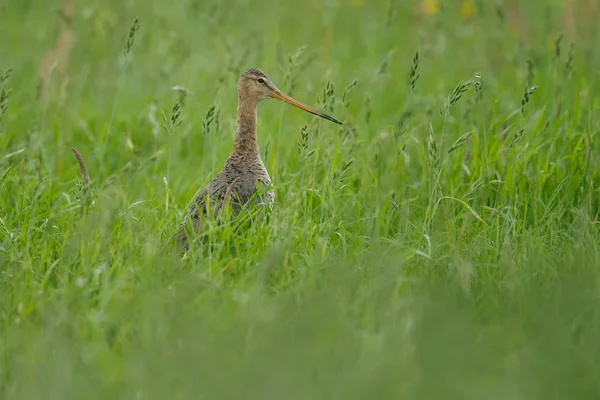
(348, 93)
(368, 108)
(558, 46)
(459, 142)
(391, 13)
(327, 97)
(478, 85)
(178, 106)
(267, 148)
(176, 114)
(84, 173)
(303, 142)
(340, 175)
(295, 62)
(4, 92)
(395, 202)
(383, 65)
(348, 131)
(517, 137)
(569, 62)
(413, 75)
(526, 95)
(456, 95)
(208, 119)
(432, 149)
(459, 91)
(131, 37)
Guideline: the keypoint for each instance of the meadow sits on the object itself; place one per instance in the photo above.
(442, 244)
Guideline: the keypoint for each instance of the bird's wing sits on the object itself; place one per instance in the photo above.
(213, 192)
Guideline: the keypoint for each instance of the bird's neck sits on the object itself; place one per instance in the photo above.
(246, 141)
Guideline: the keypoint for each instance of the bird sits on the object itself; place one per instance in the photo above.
(243, 176)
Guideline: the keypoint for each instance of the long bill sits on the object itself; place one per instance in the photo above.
(290, 100)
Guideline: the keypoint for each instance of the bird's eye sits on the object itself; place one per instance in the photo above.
(261, 80)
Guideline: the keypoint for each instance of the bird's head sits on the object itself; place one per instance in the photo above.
(254, 85)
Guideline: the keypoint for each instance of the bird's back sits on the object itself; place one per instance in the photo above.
(243, 177)
(237, 182)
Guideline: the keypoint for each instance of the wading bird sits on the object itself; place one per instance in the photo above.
(243, 173)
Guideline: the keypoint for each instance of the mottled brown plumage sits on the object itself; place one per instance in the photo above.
(243, 173)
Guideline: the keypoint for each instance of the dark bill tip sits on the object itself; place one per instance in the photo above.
(330, 118)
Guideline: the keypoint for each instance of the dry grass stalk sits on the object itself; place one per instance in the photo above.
(57, 58)
(84, 173)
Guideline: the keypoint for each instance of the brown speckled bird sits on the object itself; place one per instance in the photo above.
(243, 173)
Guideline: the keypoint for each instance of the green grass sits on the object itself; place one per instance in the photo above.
(390, 267)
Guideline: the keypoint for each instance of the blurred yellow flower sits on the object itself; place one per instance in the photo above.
(430, 6)
(467, 9)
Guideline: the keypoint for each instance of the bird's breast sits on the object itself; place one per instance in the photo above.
(246, 177)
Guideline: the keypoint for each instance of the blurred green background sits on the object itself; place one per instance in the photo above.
(443, 243)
